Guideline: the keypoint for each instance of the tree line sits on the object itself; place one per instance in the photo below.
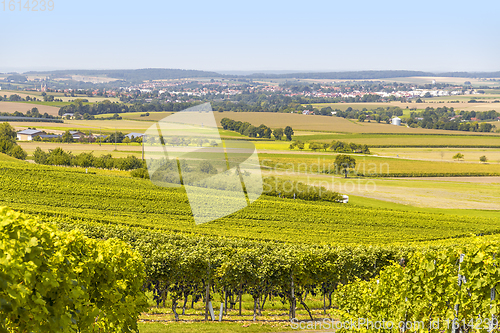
(336, 146)
(78, 106)
(446, 118)
(264, 132)
(86, 160)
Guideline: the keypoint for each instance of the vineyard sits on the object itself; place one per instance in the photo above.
(109, 199)
(451, 289)
(303, 254)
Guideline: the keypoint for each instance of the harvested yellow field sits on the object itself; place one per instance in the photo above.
(11, 107)
(320, 123)
(424, 140)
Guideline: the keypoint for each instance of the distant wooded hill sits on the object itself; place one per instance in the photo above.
(134, 75)
(139, 75)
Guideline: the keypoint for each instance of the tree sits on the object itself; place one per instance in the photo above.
(207, 167)
(267, 133)
(58, 157)
(8, 143)
(288, 133)
(7, 132)
(315, 146)
(18, 152)
(483, 159)
(39, 156)
(278, 133)
(458, 156)
(67, 137)
(85, 160)
(343, 163)
(127, 140)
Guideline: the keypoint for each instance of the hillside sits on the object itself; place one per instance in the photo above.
(110, 199)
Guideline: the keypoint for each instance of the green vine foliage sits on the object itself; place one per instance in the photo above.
(55, 281)
(427, 290)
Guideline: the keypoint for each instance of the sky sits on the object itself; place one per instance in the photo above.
(254, 35)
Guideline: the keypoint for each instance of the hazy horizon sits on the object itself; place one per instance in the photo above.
(234, 72)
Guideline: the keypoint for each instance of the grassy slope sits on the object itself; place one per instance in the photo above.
(7, 158)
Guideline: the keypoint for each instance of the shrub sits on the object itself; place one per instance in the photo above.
(54, 281)
(140, 173)
(58, 157)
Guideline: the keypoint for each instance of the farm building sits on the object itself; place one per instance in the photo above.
(49, 136)
(77, 135)
(28, 135)
(396, 121)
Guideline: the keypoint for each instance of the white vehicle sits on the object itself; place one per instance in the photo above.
(345, 199)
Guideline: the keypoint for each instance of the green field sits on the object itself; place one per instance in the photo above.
(373, 165)
(450, 139)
